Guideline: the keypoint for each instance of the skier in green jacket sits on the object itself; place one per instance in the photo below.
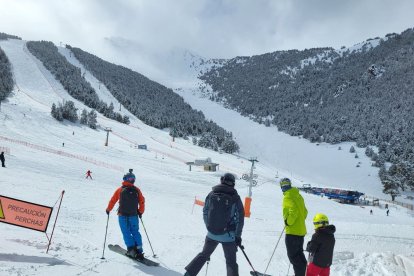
(294, 216)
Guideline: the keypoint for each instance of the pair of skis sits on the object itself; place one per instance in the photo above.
(118, 249)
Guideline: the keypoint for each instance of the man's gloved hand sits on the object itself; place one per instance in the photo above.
(238, 241)
(139, 215)
(107, 212)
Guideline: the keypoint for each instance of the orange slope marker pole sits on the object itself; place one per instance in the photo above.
(247, 203)
(197, 202)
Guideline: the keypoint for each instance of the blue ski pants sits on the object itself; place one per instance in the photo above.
(130, 231)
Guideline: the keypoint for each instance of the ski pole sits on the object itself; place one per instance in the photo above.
(307, 263)
(153, 254)
(247, 258)
(106, 231)
(208, 261)
(274, 250)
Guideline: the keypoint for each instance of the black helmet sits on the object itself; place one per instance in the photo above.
(285, 184)
(228, 179)
(129, 177)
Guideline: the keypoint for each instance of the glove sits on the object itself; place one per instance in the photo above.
(139, 215)
(107, 212)
(238, 241)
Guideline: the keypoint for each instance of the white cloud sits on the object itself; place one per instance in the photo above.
(211, 28)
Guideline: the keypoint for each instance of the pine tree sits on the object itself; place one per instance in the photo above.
(92, 122)
(125, 120)
(70, 111)
(54, 111)
(84, 117)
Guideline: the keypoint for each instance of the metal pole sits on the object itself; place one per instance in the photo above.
(207, 266)
(51, 235)
(244, 253)
(108, 129)
(251, 175)
(287, 274)
(153, 254)
(106, 232)
(274, 250)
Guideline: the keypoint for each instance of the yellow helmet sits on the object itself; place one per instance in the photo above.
(320, 220)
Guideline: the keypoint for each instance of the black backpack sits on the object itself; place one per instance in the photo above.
(219, 213)
(128, 201)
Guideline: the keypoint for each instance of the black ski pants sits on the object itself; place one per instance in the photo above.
(294, 247)
(229, 248)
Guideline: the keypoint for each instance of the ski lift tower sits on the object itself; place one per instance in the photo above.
(252, 182)
(107, 129)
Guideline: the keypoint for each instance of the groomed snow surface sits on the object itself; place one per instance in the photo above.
(39, 168)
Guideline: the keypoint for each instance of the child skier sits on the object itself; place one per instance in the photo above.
(321, 247)
(131, 206)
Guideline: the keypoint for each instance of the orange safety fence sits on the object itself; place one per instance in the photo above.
(63, 153)
(152, 149)
(6, 150)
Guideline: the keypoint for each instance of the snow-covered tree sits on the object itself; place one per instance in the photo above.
(84, 117)
(92, 122)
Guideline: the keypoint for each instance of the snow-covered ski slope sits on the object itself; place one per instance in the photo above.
(39, 168)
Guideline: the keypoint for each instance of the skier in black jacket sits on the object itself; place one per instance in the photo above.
(321, 247)
(223, 215)
(2, 159)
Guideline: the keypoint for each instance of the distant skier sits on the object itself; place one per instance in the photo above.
(294, 216)
(88, 174)
(388, 211)
(223, 215)
(370, 212)
(321, 247)
(2, 159)
(131, 206)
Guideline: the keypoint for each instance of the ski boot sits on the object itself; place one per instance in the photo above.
(139, 255)
(132, 252)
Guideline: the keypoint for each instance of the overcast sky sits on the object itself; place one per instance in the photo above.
(145, 34)
(212, 28)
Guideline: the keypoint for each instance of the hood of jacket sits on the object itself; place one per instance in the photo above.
(292, 192)
(127, 184)
(329, 229)
(223, 188)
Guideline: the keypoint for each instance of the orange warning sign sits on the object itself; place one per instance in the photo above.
(24, 214)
